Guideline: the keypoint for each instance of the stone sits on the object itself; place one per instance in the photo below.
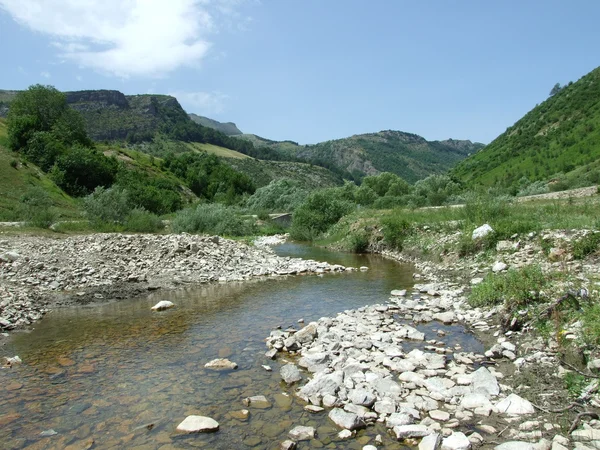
(346, 434)
(369, 447)
(242, 414)
(162, 305)
(346, 420)
(586, 435)
(13, 360)
(398, 293)
(48, 433)
(198, 424)
(307, 334)
(301, 433)
(456, 441)
(439, 415)
(398, 419)
(515, 405)
(499, 266)
(446, 317)
(475, 400)
(313, 409)
(431, 442)
(361, 397)
(221, 364)
(482, 231)
(504, 246)
(271, 354)
(516, 445)
(411, 431)
(290, 373)
(287, 445)
(483, 382)
(257, 401)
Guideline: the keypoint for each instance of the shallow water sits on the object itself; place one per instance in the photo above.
(98, 375)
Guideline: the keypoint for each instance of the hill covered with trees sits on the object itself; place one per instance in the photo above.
(558, 141)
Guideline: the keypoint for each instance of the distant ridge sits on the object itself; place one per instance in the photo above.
(228, 128)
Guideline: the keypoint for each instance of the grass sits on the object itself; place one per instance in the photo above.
(586, 245)
(515, 289)
(216, 150)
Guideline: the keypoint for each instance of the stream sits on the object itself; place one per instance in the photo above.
(118, 375)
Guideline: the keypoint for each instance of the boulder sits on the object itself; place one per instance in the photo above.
(307, 334)
(290, 373)
(483, 382)
(482, 231)
(475, 400)
(287, 445)
(361, 397)
(346, 420)
(515, 405)
(445, 317)
(499, 266)
(398, 419)
(162, 305)
(198, 424)
(221, 364)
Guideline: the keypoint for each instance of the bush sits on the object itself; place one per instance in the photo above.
(591, 324)
(36, 208)
(516, 288)
(107, 206)
(14, 163)
(359, 242)
(395, 230)
(212, 219)
(586, 245)
(141, 221)
(281, 195)
(318, 213)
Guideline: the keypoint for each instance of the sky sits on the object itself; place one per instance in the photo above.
(311, 70)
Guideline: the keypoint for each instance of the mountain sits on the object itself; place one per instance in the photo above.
(228, 128)
(560, 135)
(408, 155)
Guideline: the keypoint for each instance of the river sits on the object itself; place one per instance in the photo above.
(118, 375)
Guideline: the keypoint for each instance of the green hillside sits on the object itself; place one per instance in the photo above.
(407, 155)
(561, 135)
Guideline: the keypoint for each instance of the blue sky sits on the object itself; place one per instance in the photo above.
(311, 70)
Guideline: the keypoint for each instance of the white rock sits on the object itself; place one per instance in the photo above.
(198, 424)
(290, 373)
(301, 433)
(586, 435)
(345, 434)
(456, 441)
(221, 364)
(515, 405)
(398, 419)
(346, 420)
(439, 415)
(411, 431)
(482, 231)
(499, 266)
(472, 401)
(398, 293)
(162, 305)
(483, 382)
(369, 447)
(516, 445)
(431, 442)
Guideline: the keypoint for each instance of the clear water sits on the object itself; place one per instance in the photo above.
(98, 375)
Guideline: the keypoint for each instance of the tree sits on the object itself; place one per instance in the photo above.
(556, 89)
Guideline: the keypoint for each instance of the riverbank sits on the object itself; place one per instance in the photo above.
(40, 273)
(530, 387)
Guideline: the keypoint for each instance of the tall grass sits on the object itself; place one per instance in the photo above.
(212, 218)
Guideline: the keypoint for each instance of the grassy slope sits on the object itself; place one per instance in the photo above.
(16, 181)
(560, 135)
(216, 150)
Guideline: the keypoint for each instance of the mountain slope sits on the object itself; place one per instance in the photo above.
(228, 128)
(407, 155)
(561, 134)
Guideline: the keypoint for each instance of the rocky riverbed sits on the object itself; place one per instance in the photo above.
(40, 273)
(373, 365)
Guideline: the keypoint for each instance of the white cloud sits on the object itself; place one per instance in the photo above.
(202, 102)
(125, 37)
(45, 74)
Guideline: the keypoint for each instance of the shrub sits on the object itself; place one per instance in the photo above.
(36, 208)
(212, 219)
(359, 242)
(320, 211)
(14, 163)
(516, 288)
(591, 324)
(141, 221)
(281, 195)
(586, 245)
(107, 206)
(395, 230)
